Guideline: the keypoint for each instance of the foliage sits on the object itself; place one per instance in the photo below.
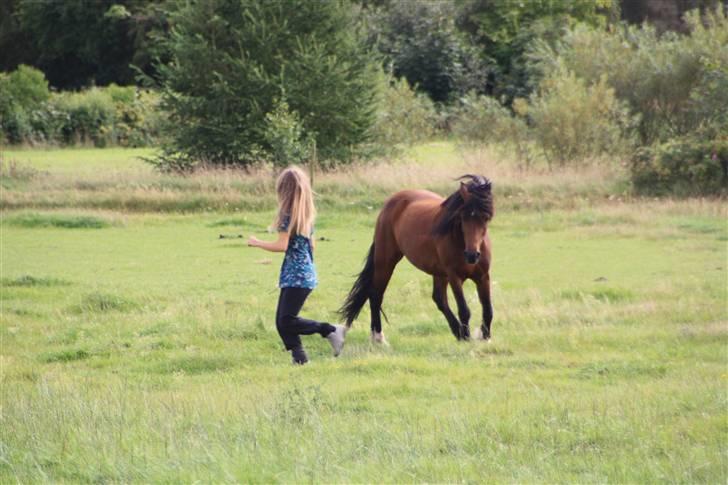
(233, 59)
(654, 74)
(79, 43)
(404, 117)
(285, 136)
(685, 166)
(22, 94)
(31, 114)
(566, 119)
(483, 120)
(695, 163)
(504, 31)
(26, 87)
(572, 120)
(675, 84)
(423, 45)
(86, 117)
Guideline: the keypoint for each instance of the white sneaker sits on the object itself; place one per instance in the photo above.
(336, 339)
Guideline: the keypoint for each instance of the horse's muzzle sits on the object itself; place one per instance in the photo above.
(471, 257)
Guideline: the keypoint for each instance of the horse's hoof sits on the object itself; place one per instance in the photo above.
(378, 338)
(479, 335)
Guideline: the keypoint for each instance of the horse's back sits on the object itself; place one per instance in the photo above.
(405, 201)
(404, 227)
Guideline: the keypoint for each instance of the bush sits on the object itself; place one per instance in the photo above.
(404, 117)
(483, 120)
(22, 94)
(114, 115)
(572, 120)
(88, 116)
(684, 166)
(26, 87)
(423, 45)
(138, 116)
(654, 74)
(285, 136)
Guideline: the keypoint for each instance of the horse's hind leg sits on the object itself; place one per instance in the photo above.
(439, 296)
(386, 258)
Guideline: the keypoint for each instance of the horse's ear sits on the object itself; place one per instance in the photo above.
(464, 191)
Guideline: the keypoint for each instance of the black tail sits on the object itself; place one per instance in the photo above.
(359, 293)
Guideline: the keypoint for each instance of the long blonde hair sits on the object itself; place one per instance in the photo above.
(295, 200)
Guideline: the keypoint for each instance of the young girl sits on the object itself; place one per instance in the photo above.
(296, 214)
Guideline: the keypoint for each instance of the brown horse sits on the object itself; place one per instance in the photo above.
(445, 238)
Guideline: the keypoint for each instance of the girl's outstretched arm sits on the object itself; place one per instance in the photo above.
(278, 246)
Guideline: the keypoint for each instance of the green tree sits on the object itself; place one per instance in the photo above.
(78, 43)
(233, 59)
(505, 29)
(423, 45)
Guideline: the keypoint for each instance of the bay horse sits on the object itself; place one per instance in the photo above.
(446, 238)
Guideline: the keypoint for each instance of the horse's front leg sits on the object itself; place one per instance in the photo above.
(439, 296)
(484, 296)
(456, 284)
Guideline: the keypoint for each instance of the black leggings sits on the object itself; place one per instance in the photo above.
(290, 325)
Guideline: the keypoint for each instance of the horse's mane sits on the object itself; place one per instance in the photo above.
(480, 204)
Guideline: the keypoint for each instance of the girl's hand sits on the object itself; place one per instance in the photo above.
(278, 246)
(254, 241)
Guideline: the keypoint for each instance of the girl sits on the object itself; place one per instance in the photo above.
(294, 221)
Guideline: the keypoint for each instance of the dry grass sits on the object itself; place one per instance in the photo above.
(433, 166)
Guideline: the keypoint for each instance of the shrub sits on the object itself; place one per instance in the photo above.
(22, 94)
(404, 117)
(683, 166)
(285, 136)
(88, 116)
(138, 117)
(572, 120)
(26, 87)
(654, 74)
(31, 114)
(483, 120)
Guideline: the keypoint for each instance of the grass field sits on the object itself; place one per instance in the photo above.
(138, 346)
(81, 160)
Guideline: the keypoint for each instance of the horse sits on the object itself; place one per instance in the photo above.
(446, 238)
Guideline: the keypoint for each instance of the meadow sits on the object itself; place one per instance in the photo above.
(139, 346)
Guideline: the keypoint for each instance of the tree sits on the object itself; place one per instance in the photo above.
(505, 29)
(234, 61)
(78, 43)
(424, 46)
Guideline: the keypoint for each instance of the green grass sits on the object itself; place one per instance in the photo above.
(157, 359)
(80, 160)
(136, 345)
(32, 219)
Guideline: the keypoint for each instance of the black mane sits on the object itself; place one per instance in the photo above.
(480, 205)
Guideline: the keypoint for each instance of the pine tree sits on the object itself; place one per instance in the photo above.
(234, 60)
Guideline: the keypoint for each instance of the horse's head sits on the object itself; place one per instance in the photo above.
(468, 211)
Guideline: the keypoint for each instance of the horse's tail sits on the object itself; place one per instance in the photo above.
(360, 292)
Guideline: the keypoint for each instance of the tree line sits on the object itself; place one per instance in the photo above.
(241, 81)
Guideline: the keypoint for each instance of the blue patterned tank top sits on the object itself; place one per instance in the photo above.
(297, 270)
